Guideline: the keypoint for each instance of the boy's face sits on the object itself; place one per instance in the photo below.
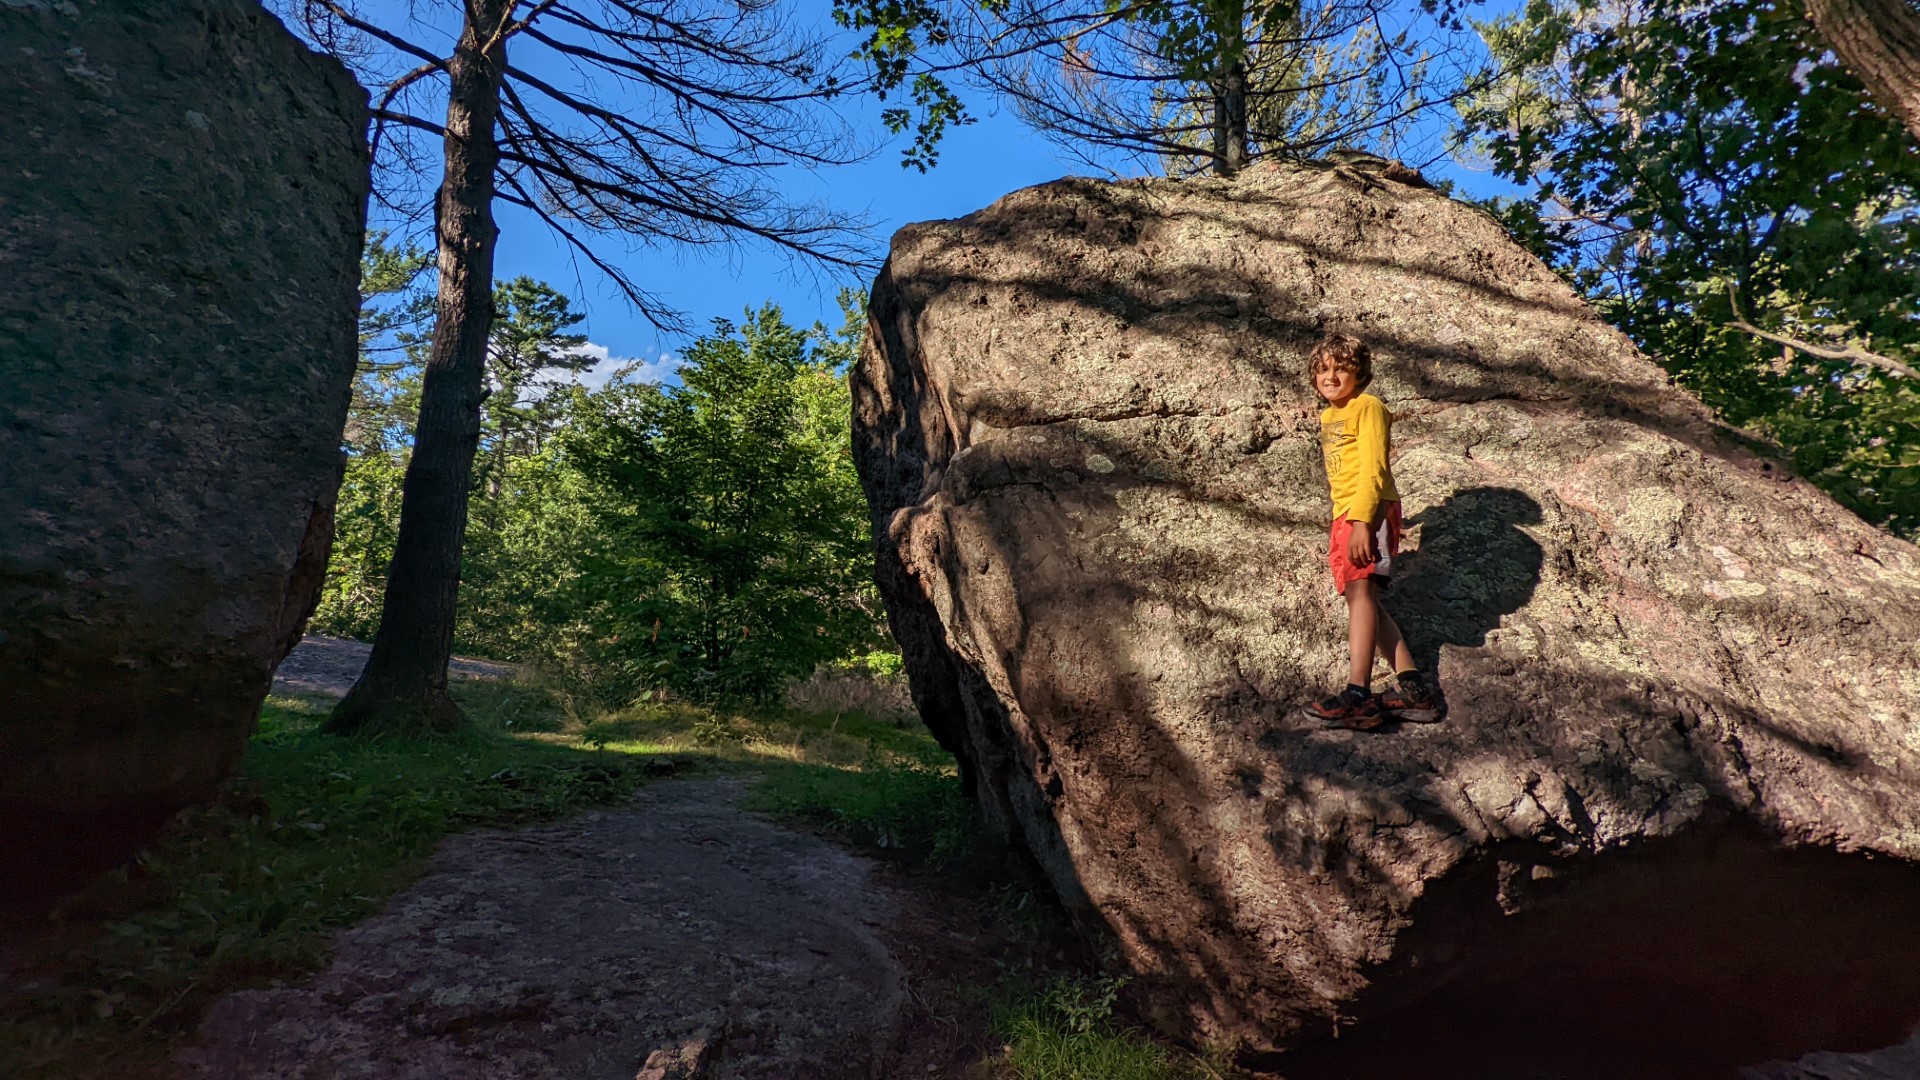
(1337, 384)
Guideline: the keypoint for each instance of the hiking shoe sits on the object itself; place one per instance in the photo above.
(1346, 711)
(1417, 701)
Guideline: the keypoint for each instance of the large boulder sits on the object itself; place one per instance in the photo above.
(182, 203)
(1674, 815)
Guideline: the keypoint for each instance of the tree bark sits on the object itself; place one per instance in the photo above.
(1231, 142)
(1231, 149)
(1879, 41)
(404, 686)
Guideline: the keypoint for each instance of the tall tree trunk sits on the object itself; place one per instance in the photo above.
(1230, 121)
(404, 686)
(1231, 142)
(1879, 41)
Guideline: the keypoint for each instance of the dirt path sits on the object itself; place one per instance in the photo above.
(327, 665)
(620, 943)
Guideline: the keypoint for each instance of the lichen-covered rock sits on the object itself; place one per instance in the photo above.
(182, 201)
(1676, 803)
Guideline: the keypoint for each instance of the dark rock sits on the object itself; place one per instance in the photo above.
(688, 1060)
(1676, 805)
(1900, 1062)
(182, 201)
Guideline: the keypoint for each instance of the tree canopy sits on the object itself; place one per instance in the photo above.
(708, 538)
(727, 508)
(1732, 198)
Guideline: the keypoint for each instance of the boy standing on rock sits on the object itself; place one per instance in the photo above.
(1355, 437)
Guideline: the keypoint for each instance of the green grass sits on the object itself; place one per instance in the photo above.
(317, 831)
(1066, 1030)
(882, 784)
(311, 836)
(904, 800)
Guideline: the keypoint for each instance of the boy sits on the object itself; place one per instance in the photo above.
(1355, 439)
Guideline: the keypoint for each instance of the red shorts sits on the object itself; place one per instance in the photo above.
(1386, 541)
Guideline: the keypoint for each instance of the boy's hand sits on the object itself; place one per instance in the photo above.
(1360, 544)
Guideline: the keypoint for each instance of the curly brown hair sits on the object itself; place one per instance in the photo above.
(1344, 351)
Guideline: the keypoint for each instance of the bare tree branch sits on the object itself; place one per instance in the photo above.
(1852, 354)
(392, 40)
(662, 315)
(394, 90)
(1298, 80)
(657, 121)
(409, 120)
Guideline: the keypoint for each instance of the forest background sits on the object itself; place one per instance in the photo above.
(1715, 180)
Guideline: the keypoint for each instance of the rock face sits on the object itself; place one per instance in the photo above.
(1674, 814)
(182, 202)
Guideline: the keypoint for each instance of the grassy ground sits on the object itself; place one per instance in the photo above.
(317, 831)
(1065, 1030)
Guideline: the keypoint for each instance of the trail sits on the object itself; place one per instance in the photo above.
(680, 936)
(329, 665)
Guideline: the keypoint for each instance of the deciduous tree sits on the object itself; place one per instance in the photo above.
(1732, 198)
(733, 544)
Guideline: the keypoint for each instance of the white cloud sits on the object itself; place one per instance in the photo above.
(606, 368)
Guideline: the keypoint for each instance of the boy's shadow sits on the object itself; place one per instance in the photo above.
(1473, 566)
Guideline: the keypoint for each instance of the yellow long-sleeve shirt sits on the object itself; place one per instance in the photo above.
(1356, 440)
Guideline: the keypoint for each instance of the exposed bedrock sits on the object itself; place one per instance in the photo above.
(182, 201)
(1674, 815)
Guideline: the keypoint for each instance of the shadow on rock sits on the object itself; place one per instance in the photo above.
(1473, 566)
(1684, 960)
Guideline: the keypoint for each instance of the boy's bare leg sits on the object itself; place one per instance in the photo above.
(1388, 640)
(1363, 626)
(1371, 629)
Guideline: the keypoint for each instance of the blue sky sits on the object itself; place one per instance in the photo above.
(978, 164)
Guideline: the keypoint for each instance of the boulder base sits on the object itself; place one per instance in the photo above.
(182, 201)
(1674, 813)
